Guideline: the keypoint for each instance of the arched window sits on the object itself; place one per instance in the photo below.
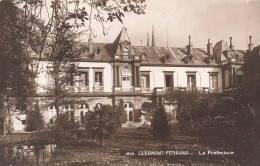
(129, 108)
(126, 79)
(84, 106)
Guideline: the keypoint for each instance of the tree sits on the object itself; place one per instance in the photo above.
(193, 108)
(105, 120)
(159, 125)
(35, 119)
(17, 78)
(24, 32)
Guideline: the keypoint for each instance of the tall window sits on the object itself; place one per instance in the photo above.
(126, 79)
(84, 79)
(98, 79)
(50, 79)
(168, 79)
(191, 81)
(213, 81)
(145, 81)
(129, 108)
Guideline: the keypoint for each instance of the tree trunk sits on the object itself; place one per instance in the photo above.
(5, 109)
(102, 141)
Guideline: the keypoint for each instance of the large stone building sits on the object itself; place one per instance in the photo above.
(113, 71)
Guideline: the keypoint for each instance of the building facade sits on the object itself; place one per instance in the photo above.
(109, 72)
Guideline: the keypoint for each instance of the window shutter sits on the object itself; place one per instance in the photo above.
(148, 81)
(100, 79)
(194, 81)
(86, 79)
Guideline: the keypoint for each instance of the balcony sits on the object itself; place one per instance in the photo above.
(128, 89)
(127, 57)
(132, 89)
(162, 90)
(98, 89)
(84, 89)
(146, 90)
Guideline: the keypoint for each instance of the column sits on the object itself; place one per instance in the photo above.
(134, 78)
(115, 75)
(138, 75)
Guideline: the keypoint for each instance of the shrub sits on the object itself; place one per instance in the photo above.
(159, 124)
(64, 128)
(35, 119)
(105, 120)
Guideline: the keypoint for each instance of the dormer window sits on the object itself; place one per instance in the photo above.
(98, 50)
(125, 51)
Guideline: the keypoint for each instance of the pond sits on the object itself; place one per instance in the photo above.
(30, 155)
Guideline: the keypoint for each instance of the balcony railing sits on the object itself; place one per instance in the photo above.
(98, 89)
(199, 89)
(84, 89)
(128, 89)
(146, 90)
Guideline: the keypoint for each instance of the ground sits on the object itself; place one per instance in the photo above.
(131, 147)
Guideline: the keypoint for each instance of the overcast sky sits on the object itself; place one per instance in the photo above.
(202, 19)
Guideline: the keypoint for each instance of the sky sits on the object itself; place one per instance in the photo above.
(202, 19)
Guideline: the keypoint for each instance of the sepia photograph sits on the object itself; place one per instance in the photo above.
(129, 82)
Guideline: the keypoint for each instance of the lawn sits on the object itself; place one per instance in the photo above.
(134, 146)
(137, 147)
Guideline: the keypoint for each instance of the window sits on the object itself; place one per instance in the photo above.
(129, 108)
(52, 107)
(84, 106)
(51, 79)
(213, 81)
(23, 122)
(71, 106)
(191, 81)
(168, 79)
(126, 79)
(71, 79)
(98, 79)
(240, 80)
(125, 51)
(145, 82)
(82, 118)
(84, 79)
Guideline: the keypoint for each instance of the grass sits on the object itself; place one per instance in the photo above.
(137, 141)
(80, 152)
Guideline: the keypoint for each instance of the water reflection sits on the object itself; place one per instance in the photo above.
(30, 155)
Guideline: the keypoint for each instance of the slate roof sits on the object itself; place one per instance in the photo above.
(154, 55)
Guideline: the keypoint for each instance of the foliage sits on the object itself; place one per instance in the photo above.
(105, 120)
(35, 119)
(17, 78)
(159, 124)
(194, 109)
(237, 118)
(65, 127)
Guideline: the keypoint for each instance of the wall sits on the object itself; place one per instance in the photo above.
(180, 76)
(42, 78)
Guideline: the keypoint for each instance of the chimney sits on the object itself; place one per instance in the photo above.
(189, 47)
(209, 48)
(90, 44)
(250, 45)
(148, 44)
(231, 46)
(210, 51)
(153, 39)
